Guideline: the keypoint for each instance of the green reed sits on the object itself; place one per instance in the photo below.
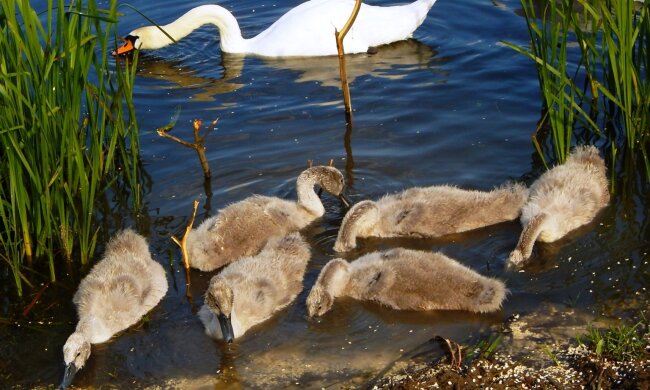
(592, 63)
(67, 131)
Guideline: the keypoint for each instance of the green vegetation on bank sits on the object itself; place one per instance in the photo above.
(620, 343)
(592, 63)
(67, 131)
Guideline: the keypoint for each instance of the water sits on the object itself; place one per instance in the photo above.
(451, 106)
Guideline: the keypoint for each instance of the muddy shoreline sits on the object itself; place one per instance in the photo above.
(526, 357)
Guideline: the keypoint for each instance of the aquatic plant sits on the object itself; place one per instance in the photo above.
(592, 63)
(67, 131)
(621, 343)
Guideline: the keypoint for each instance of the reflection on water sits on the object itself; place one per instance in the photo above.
(460, 114)
(406, 56)
(179, 76)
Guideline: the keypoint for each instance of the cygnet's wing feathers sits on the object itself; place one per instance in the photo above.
(123, 286)
(439, 210)
(416, 280)
(268, 281)
(242, 229)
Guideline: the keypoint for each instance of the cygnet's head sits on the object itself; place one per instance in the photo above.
(319, 301)
(330, 179)
(219, 298)
(75, 353)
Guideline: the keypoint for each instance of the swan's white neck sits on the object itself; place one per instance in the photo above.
(230, 34)
(307, 198)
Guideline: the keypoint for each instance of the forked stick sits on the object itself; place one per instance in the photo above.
(198, 144)
(183, 242)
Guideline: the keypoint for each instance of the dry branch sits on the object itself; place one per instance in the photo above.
(341, 51)
(183, 242)
(198, 144)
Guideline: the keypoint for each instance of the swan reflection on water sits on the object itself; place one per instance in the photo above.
(393, 62)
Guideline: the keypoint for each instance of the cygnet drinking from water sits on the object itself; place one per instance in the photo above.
(406, 279)
(561, 200)
(429, 212)
(122, 287)
(243, 228)
(248, 291)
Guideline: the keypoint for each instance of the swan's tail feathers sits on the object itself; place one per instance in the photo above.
(489, 297)
(513, 196)
(361, 219)
(128, 241)
(586, 154)
(426, 4)
(529, 235)
(291, 245)
(519, 191)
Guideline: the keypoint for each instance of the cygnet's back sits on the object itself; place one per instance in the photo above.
(242, 228)
(250, 290)
(123, 286)
(430, 212)
(562, 199)
(407, 280)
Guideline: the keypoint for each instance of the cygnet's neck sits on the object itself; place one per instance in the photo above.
(229, 31)
(238, 329)
(307, 198)
(335, 278)
(92, 329)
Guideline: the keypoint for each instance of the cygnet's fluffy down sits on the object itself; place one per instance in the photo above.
(429, 212)
(562, 199)
(122, 287)
(248, 291)
(406, 279)
(243, 228)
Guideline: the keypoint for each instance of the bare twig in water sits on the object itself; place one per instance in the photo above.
(454, 351)
(183, 242)
(198, 144)
(339, 47)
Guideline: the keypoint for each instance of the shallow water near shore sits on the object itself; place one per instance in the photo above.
(451, 106)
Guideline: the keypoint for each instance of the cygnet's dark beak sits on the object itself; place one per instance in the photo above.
(70, 371)
(346, 202)
(226, 328)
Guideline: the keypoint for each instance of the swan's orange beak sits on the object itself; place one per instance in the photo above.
(127, 47)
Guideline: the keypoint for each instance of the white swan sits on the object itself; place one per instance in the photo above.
(116, 293)
(306, 30)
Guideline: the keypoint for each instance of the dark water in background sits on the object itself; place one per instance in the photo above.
(451, 106)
